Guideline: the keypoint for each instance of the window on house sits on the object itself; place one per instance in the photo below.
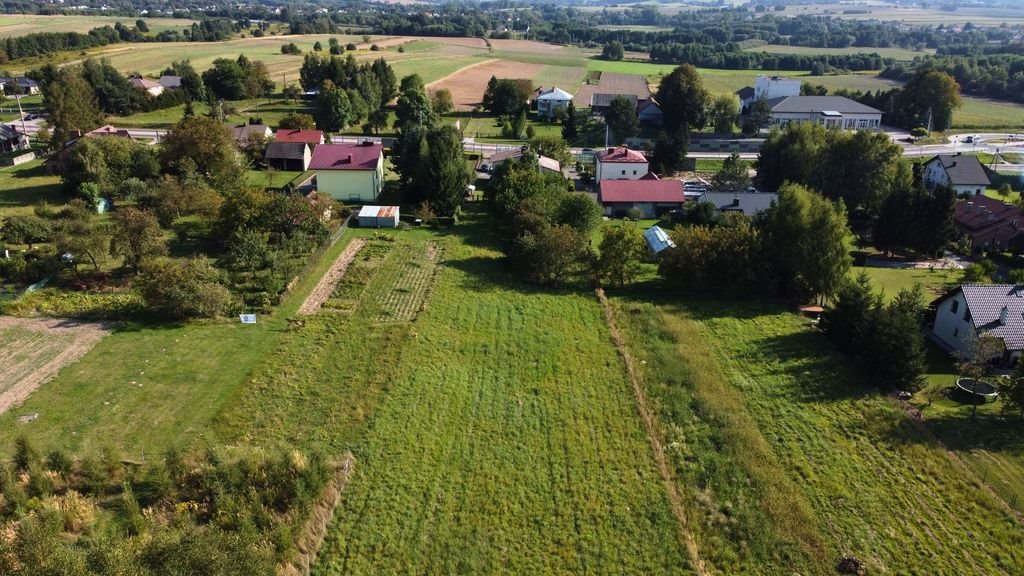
(956, 332)
(955, 306)
(967, 314)
(634, 172)
(623, 172)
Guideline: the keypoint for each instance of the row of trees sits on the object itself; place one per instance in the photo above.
(349, 92)
(928, 99)
(796, 249)
(427, 156)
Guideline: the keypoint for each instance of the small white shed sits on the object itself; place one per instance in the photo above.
(378, 217)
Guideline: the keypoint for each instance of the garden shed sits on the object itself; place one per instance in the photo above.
(378, 217)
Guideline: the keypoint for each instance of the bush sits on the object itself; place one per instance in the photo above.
(183, 289)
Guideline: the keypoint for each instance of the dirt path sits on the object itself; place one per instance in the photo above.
(35, 349)
(312, 537)
(671, 488)
(325, 287)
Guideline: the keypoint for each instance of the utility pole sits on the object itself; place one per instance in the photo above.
(21, 115)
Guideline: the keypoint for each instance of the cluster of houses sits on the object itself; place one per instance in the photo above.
(346, 172)
(598, 97)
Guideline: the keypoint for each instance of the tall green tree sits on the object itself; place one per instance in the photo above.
(332, 108)
(25, 229)
(620, 254)
(790, 154)
(807, 233)
(441, 101)
(442, 176)
(734, 176)
(570, 126)
(621, 119)
(683, 99)
(71, 104)
(930, 94)
(202, 146)
(414, 108)
(669, 154)
(613, 51)
(137, 237)
(724, 111)
(859, 167)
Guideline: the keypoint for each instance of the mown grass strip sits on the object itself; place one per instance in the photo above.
(671, 487)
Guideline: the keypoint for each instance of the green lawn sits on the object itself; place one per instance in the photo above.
(889, 281)
(187, 373)
(27, 185)
(270, 179)
(789, 462)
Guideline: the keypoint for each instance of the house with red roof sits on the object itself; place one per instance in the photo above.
(987, 221)
(620, 164)
(651, 197)
(349, 172)
(311, 137)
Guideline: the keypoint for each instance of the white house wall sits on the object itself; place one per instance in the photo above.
(621, 170)
(849, 121)
(951, 327)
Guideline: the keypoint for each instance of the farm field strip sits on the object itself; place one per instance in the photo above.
(506, 441)
(13, 25)
(323, 289)
(467, 85)
(410, 279)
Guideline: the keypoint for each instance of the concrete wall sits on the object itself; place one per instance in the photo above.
(767, 87)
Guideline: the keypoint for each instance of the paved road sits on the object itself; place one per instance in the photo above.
(991, 143)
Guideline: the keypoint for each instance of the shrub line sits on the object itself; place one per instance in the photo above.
(671, 488)
(313, 533)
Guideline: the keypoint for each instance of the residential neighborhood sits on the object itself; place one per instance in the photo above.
(293, 289)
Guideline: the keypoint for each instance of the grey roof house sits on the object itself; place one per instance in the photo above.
(961, 172)
(973, 310)
(829, 111)
(747, 203)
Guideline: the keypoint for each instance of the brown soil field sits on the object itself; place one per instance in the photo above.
(468, 84)
(35, 350)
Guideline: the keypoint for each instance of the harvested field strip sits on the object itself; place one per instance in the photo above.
(325, 287)
(35, 350)
(507, 441)
(468, 84)
(881, 487)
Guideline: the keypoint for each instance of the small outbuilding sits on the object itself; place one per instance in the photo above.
(658, 240)
(378, 217)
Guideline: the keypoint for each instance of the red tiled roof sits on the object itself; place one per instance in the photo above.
(987, 220)
(650, 176)
(346, 157)
(302, 136)
(642, 191)
(620, 154)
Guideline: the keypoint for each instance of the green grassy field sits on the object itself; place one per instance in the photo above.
(23, 24)
(507, 439)
(889, 281)
(897, 53)
(912, 15)
(22, 187)
(789, 462)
